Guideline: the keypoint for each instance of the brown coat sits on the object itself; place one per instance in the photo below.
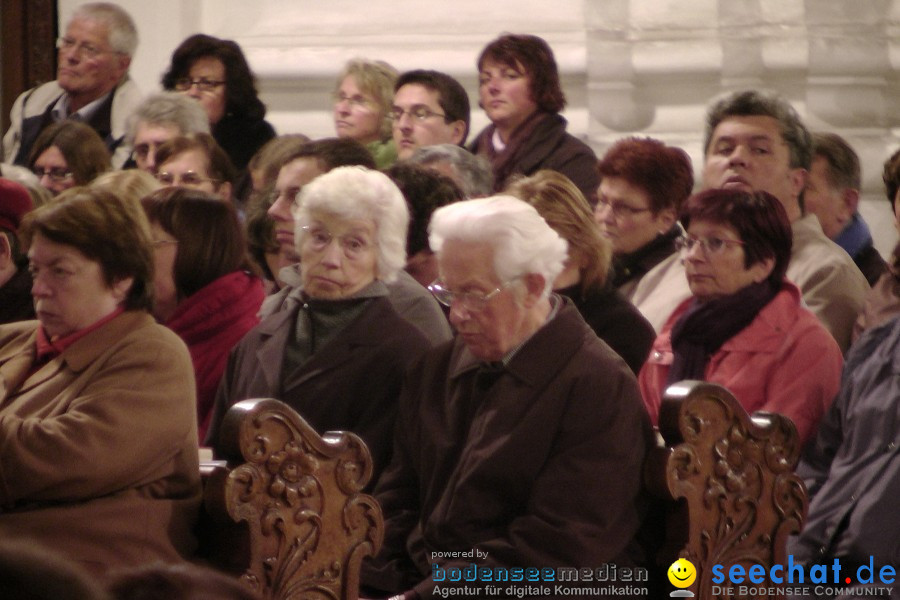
(541, 470)
(99, 445)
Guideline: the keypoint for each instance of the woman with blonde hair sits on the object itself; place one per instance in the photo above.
(585, 276)
(362, 107)
(131, 184)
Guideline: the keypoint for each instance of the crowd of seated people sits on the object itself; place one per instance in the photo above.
(499, 322)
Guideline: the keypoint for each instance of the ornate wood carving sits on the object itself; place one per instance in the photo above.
(298, 494)
(730, 477)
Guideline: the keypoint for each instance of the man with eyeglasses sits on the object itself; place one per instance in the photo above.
(429, 108)
(92, 84)
(756, 141)
(521, 443)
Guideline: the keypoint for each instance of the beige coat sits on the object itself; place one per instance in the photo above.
(98, 447)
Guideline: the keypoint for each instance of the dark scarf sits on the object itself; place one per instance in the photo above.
(504, 163)
(705, 326)
(635, 265)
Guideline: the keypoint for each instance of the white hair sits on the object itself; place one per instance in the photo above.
(123, 36)
(523, 242)
(359, 193)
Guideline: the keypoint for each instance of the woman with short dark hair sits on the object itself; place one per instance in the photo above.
(205, 289)
(97, 426)
(745, 326)
(520, 92)
(215, 72)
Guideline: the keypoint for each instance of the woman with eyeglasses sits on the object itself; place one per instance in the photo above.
(363, 98)
(67, 154)
(339, 351)
(585, 275)
(204, 286)
(520, 92)
(216, 74)
(643, 183)
(196, 161)
(745, 326)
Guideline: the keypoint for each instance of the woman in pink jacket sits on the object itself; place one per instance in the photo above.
(744, 328)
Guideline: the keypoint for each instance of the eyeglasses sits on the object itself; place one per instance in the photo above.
(471, 301)
(87, 50)
(619, 209)
(188, 178)
(418, 112)
(57, 174)
(319, 238)
(711, 245)
(183, 84)
(356, 101)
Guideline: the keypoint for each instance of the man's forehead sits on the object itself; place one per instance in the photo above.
(93, 29)
(750, 127)
(416, 93)
(466, 262)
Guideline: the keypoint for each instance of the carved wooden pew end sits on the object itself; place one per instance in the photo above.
(285, 510)
(731, 496)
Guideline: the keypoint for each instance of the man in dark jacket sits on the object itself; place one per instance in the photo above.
(520, 443)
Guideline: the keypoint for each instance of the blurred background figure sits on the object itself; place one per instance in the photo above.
(832, 194)
(216, 74)
(177, 582)
(471, 173)
(204, 287)
(362, 107)
(197, 162)
(131, 184)
(520, 92)
(158, 119)
(15, 279)
(425, 191)
(67, 154)
(883, 300)
(585, 275)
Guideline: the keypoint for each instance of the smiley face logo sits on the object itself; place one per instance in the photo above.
(682, 573)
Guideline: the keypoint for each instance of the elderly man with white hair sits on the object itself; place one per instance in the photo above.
(339, 356)
(92, 84)
(519, 444)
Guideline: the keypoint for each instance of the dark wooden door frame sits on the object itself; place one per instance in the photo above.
(28, 32)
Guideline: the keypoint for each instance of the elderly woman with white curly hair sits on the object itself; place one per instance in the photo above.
(339, 356)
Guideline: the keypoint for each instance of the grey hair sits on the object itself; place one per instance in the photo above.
(123, 35)
(359, 193)
(168, 108)
(843, 162)
(749, 103)
(473, 173)
(523, 242)
(377, 78)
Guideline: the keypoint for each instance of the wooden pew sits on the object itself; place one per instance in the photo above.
(727, 482)
(283, 508)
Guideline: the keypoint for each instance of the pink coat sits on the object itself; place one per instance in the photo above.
(785, 361)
